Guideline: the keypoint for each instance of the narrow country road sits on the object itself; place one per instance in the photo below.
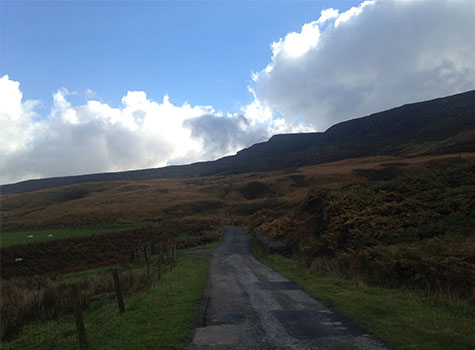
(250, 306)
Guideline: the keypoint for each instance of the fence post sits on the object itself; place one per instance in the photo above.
(78, 317)
(159, 270)
(159, 261)
(170, 252)
(146, 261)
(174, 254)
(118, 291)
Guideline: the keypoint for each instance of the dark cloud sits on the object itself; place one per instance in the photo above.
(224, 134)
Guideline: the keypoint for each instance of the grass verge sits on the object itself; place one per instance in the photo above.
(401, 318)
(160, 317)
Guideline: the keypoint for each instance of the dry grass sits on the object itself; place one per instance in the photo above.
(411, 231)
(207, 198)
(39, 298)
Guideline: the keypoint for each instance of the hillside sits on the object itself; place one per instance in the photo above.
(439, 126)
(357, 212)
(412, 230)
(208, 200)
(398, 222)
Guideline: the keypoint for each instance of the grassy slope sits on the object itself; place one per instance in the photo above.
(41, 235)
(193, 199)
(403, 319)
(158, 318)
(411, 230)
(208, 198)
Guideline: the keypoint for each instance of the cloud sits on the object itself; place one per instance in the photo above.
(225, 134)
(376, 56)
(96, 137)
(18, 119)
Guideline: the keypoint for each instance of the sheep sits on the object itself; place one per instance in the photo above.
(18, 259)
(50, 236)
(30, 236)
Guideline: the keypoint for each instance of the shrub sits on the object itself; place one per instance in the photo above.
(411, 231)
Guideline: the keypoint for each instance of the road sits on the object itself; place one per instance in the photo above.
(250, 306)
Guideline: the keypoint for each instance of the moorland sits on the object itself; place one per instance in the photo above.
(388, 205)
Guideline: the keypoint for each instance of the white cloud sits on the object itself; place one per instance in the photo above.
(96, 137)
(376, 56)
(295, 44)
(327, 14)
(17, 119)
(351, 13)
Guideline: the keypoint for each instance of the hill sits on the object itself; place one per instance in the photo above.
(440, 126)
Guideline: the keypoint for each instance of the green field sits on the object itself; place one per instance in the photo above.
(160, 317)
(41, 235)
(403, 319)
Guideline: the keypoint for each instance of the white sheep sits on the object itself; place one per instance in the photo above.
(18, 259)
(50, 236)
(30, 236)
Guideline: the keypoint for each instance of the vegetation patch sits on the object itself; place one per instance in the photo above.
(82, 253)
(26, 236)
(255, 189)
(299, 180)
(413, 231)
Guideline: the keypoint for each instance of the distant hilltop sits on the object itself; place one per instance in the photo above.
(439, 126)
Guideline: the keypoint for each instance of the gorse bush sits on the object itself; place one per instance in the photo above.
(415, 231)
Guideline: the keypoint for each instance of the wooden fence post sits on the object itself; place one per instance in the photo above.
(170, 251)
(168, 255)
(174, 254)
(159, 261)
(118, 291)
(78, 317)
(146, 261)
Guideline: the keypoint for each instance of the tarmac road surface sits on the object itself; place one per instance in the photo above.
(250, 306)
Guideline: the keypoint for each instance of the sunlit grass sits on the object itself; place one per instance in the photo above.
(161, 317)
(41, 235)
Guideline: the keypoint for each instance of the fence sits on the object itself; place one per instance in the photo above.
(144, 250)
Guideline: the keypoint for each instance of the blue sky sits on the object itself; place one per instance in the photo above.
(89, 87)
(202, 52)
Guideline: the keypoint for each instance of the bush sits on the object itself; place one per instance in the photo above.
(411, 231)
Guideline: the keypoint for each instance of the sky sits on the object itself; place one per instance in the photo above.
(89, 87)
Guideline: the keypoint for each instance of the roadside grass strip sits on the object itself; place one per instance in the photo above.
(402, 319)
(161, 317)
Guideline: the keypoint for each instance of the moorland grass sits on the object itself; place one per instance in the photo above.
(412, 230)
(161, 317)
(10, 238)
(401, 318)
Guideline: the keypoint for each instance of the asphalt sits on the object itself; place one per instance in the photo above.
(248, 305)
